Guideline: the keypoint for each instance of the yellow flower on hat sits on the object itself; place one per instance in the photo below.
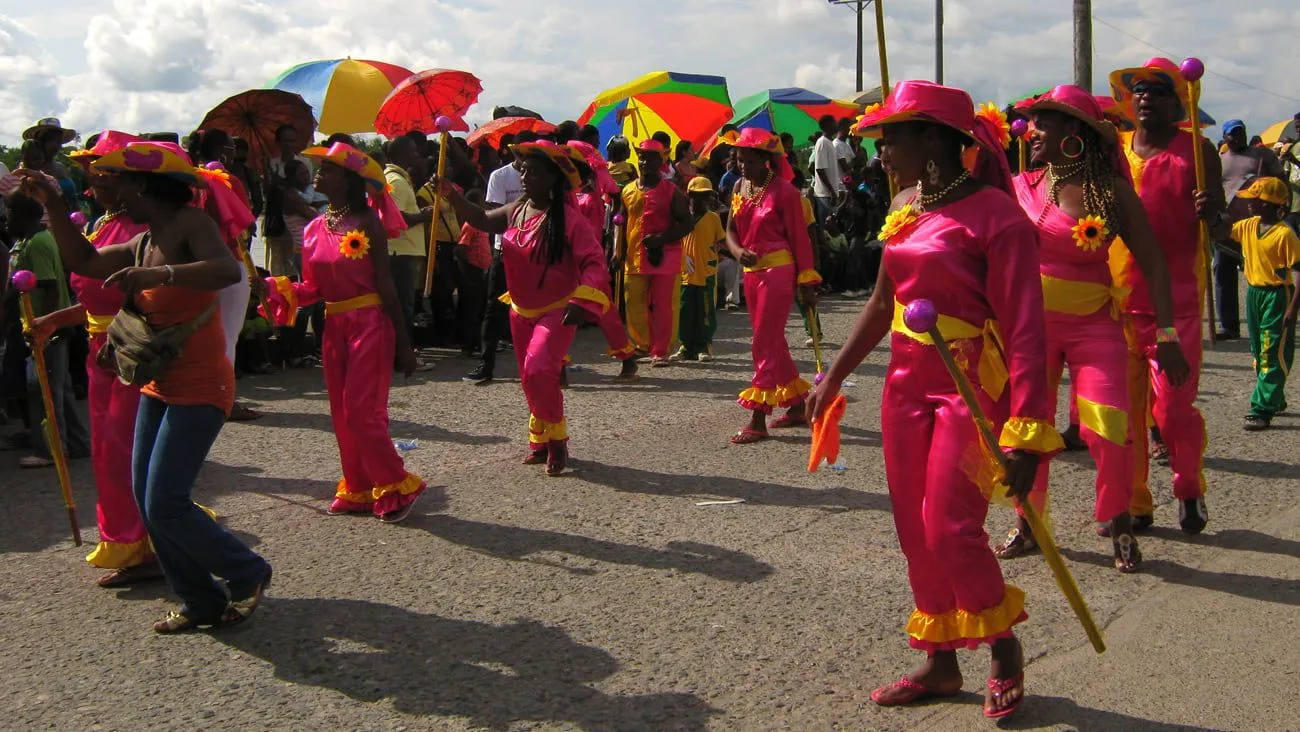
(1090, 233)
(355, 244)
(991, 112)
(897, 223)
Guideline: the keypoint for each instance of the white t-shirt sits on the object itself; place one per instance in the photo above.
(825, 158)
(504, 186)
(845, 152)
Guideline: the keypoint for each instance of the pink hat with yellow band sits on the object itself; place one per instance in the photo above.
(108, 141)
(350, 158)
(562, 156)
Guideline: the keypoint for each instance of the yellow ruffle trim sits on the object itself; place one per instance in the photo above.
(963, 625)
(112, 555)
(780, 397)
(541, 432)
(809, 277)
(211, 514)
(623, 353)
(406, 486)
(1034, 435)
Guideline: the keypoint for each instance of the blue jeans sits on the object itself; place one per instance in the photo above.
(171, 443)
(1226, 297)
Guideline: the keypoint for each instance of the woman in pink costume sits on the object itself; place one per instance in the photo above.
(345, 263)
(767, 235)
(123, 540)
(558, 278)
(597, 186)
(964, 244)
(1080, 201)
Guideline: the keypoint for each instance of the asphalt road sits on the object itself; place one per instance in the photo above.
(609, 599)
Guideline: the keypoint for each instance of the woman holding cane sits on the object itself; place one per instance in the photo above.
(963, 243)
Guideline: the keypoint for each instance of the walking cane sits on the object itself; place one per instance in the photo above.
(1020, 130)
(251, 269)
(24, 281)
(815, 330)
(619, 221)
(443, 123)
(884, 73)
(1192, 70)
(922, 317)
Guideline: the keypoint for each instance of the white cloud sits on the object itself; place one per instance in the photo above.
(159, 64)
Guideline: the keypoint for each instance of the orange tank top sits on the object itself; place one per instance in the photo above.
(202, 374)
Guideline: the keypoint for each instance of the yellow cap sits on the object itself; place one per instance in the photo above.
(1269, 190)
(699, 184)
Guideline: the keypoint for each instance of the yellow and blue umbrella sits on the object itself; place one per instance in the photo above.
(686, 106)
(344, 94)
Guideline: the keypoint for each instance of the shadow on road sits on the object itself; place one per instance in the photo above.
(519, 544)
(495, 676)
(1051, 711)
(1251, 468)
(1250, 586)
(407, 430)
(632, 480)
(1237, 539)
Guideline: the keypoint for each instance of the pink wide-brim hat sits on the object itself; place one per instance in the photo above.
(1079, 104)
(921, 101)
(563, 156)
(109, 141)
(346, 156)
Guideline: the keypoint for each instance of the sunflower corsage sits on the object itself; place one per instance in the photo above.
(997, 120)
(1090, 233)
(354, 244)
(898, 222)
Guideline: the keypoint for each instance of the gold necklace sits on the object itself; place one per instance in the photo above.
(334, 216)
(754, 196)
(1056, 174)
(926, 200)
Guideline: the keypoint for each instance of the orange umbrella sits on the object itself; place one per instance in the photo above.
(493, 131)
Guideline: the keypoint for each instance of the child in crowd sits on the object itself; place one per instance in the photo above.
(618, 151)
(1271, 257)
(699, 318)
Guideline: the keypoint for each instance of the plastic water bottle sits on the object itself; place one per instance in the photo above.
(406, 445)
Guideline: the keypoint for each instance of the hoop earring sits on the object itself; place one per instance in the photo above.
(1068, 154)
(932, 171)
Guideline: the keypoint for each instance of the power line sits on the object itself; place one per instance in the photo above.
(1175, 55)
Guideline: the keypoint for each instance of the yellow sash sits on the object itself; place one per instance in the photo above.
(581, 292)
(1074, 297)
(993, 373)
(98, 324)
(772, 260)
(369, 300)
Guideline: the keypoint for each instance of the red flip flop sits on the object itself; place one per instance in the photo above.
(909, 692)
(785, 421)
(748, 436)
(1000, 687)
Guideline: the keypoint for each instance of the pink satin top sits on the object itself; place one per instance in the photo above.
(1166, 184)
(101, 301)
(776, 223)
(977, 260)
(327, 272)
(1059, 255)
(592, 206)
(581, 277)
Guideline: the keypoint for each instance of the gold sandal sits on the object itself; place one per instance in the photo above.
(1017, 544)
(178, 622)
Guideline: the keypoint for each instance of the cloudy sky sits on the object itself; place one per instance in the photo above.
(160, 64)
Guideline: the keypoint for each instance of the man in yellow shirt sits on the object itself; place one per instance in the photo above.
(699, 317)
(406, 251)
(1270, 253)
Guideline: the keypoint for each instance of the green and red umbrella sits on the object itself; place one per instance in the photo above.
(686, 106)
(791, 110)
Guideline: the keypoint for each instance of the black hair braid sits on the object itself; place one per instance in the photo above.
(1099, 182)
(355, 198)
(556, 238)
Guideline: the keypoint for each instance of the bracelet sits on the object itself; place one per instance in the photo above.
(1166, 335)
(171, 275)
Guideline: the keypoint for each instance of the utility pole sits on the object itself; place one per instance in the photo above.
(1083, 44)
(938, 41)
(857, 6)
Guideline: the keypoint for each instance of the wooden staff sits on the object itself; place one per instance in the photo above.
(922, 317)
(443, 124)
(884, 74)
(1192, 70)
(25, 281)
(251, 270)
(815, 330)
(620, 221)
(1019, 130)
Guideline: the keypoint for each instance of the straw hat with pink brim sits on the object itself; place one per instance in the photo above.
(1074, 102)
(158, 158)
(349, 158)
(562, 156)
(1156, 70)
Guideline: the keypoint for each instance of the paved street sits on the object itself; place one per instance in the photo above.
(609, 599)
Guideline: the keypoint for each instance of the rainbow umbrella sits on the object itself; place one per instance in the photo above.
(791, 110)
(686, 106)
(344, 94)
